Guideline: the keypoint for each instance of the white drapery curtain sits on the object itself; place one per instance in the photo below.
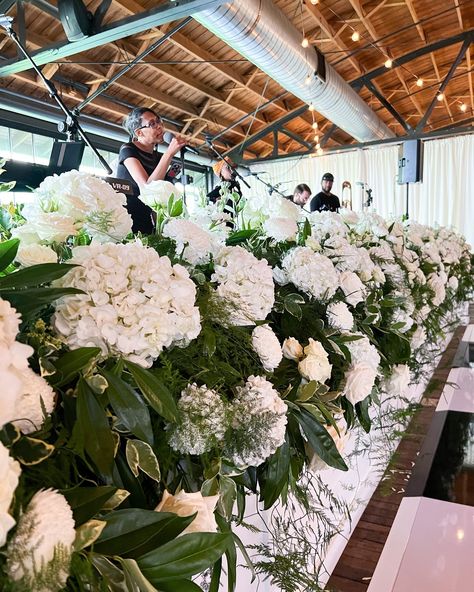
(444, 197)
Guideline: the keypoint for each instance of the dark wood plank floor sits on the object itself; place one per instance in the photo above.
(357, 564)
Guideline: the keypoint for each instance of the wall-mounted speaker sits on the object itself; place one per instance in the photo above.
(75, 19)
(410, 162)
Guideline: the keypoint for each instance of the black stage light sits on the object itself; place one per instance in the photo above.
(75, 19)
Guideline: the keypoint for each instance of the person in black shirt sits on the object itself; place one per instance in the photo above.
(227, 180)
(301, 195)
(325, 201)
(139, 163)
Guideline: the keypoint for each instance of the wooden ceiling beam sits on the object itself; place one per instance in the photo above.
(356, 5)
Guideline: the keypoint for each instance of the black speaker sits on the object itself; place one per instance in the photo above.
(410, 162)
(75, 19)
(66, 156)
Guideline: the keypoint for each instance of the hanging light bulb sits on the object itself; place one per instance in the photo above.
(318, 146)
(463, 107)
(315, 125)
(305, 42)
(440, 96)
(316, 138)
(311, 107)
(419, 82)
(355, 36)
(388, 63)
(315, 2)
(308, 80)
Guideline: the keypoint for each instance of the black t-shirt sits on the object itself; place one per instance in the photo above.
(322, 202)
(142, 215)
(233, 187)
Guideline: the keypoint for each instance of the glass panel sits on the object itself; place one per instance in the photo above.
(42, 148)
(5, 151)
(22, 145)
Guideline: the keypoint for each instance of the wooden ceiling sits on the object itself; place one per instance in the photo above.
(202, 86)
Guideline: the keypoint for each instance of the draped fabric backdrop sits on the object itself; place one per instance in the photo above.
(445, 196)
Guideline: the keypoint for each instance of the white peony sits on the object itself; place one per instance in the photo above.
(245, 286)
(187, 504)
(195, 244)
(39, 554)
(281, 229)
(315, 366)
(292, 349)
(265, 343)
(339, 316)
(35, 254)
(50, 227)
(352, 287)
(158, 193)
(398, 381)
(9, 475)
(135, 303)
(311, 273)
(36, 394)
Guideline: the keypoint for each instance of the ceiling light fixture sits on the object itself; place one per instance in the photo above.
(463, 107)
(314, 2)
(315, 125)
(440, 96)
(419, 82)
(319, 151)
(311, 107)
(388, 63)
(305, 42)
(355, 36)
(316, 138)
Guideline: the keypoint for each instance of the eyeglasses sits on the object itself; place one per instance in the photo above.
(154, 123)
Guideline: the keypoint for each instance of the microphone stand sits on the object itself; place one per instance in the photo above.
(271, 188)
(70, 126)
(222, 157)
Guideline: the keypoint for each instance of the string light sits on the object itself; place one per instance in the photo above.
(315, 125)
(311, 107)
(316, 138)
(318, 146)
(355, 36)
(440, 96)
(305, 42)
(314, 2)
(388, 63)
(463, 107)
(419, 82)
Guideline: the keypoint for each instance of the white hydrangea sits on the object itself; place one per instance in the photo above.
(315, 365)
(398, 381)
(67, 203)
(362, 350)
(311, 273)
(158, 193)
(339, 316)
(258, 425)
(36, 392)
(281, 229)
(265, 343)
(327, 224)
(9, 475)
(195, 244)
(401, 316)
(135, 303)
(203, 420)
(354, 290)
(35, 254)
(9, 322)
(258, 208)
(245, 286)
(39, 554)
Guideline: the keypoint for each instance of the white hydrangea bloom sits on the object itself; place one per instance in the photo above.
(265, 343)
(281, 229)
(362, 350)
(35, 254)
(35, 393)
(258, 425)
(135, 303)
(203, 420)
(339, 316)
(311, 273)
(244, 286)
(418, 338)
(9, 475)
(9, 322)
(39, 554)
(195, 244)
(327, 224)
(401, 316)
(158, 193)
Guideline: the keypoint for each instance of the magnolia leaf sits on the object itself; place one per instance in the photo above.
(306, 391)
(31, 451)
(155, 392)
(227, 495)
(9, 434)
(140, 455)
(274, 475)
(87, 534)
(35, 275)
(210, 486)
(113, 502)
(71, 363)
(85, 502)
(134, 577)
(114, 576)
(8, 251)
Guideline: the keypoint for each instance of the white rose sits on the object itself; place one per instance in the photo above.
(51, 226)
(292, 349)
(315, 348)
(360, 380)
(158, 193)
(9, 474)
(35, 254)
(339, 316)
(186, 504)
(352, 287)
(266, 345)
(453, 283)
(315, 368)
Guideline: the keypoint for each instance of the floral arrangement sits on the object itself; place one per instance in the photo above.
(151, 385)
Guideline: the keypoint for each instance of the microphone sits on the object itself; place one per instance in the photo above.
(168, 137)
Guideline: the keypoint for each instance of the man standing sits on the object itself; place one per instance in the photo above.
(325, 201)
(301, 195)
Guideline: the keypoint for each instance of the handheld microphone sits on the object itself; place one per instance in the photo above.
(168, 137)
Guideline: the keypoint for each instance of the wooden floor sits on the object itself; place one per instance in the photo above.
(357, 564)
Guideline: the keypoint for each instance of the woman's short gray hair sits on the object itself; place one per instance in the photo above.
(134, 119)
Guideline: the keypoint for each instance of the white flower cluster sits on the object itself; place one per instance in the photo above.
(258, 425)
(135, 303)
(315, 365)
(23, 392)
(204, 420)
(157, 193)
(281, 229)
(398, 381)
(266, 345)
(244, 286)
(259, 208)
(39, 553)
(9, 475)
(354, 290)
(339, 316)
(310, 272)
(363, 369)
(35, 254)
(68, 203)
(192, 242)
